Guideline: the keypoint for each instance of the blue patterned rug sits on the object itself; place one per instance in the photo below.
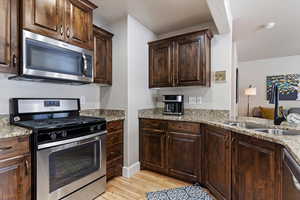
(183, 193)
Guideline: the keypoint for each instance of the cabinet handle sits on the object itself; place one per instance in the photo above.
(61, 30)
(68, 32)
(2, 149)
(26, 167)
(14, 60)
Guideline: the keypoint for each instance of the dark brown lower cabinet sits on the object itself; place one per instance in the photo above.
(290, 178)
(171, 148)
(15, 169)
(256, 169)
(184, 153)
(114, 150)
(154, 150)
(217, 156)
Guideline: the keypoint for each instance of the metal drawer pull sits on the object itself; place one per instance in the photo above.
(5, 148)
(26, 167)
(296, 183)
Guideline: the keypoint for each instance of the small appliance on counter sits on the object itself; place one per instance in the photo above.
(68, 150)
(174, 105)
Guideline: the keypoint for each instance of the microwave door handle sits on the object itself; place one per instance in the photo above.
(85, 67)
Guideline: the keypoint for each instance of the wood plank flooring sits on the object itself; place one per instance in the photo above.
(136, 187)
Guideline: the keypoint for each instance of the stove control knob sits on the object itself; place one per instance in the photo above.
(64, 133)
(53, 136)
(99, 127)
(92, 128)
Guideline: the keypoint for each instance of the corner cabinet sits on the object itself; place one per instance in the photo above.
(67, 20)
(218, 162)
(183, 60)
(102, 56)
(9, 34)
(159, 148)
(256, 169)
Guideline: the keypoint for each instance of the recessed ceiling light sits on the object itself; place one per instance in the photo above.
(269, 25)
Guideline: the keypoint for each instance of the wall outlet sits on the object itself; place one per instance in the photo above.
(192, 100)
(82, 100)
(199, 100)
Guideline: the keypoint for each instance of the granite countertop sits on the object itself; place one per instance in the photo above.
(7, 130)
(218, 119)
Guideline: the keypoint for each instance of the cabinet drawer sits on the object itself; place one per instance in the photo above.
(114, 138)
(114, 151)
(154, 124)
(184, 127)
(114, 126)
(14, 147)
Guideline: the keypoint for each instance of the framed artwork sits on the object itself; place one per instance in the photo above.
(289, 86)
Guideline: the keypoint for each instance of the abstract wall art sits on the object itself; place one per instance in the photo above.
(289, 86)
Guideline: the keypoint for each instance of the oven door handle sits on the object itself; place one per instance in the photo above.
(53, 144)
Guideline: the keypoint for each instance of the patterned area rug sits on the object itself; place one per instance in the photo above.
(183, 193)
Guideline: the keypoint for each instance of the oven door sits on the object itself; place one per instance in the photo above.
(66, 168)
(45, 57)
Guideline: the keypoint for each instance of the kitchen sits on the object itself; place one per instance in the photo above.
(145, 100)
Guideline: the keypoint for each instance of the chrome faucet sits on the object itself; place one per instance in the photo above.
(274, 99)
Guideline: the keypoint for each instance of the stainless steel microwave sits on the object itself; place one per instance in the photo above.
(48, 60)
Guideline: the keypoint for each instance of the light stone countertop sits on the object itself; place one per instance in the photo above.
(291, 143)
(7, 130)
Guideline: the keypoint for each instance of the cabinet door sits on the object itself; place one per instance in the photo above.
(44, 17)
(153, 150)
(217, 157)
(79, 23)
(15, 179)
(291, 178)
(9, 38)
(102, 56)
(184, 156)
(160, 65)
(189, 60)
(255, 171)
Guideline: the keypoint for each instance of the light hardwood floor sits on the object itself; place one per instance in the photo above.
(136, 187)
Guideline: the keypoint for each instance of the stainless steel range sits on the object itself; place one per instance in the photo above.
(68, 150)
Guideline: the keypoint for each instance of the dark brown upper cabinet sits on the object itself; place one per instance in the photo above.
(9, 43)
(102, 56)
(160, 64)
(68, 20)
(45, 17)
(79, 22)
(182, 60)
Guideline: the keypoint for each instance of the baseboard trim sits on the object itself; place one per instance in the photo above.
(131, 170)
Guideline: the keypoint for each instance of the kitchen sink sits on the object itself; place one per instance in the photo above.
(247, 125)
(278, 131)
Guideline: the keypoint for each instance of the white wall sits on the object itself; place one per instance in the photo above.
(130, 80)
(115, 96)
(218, 95)
(14, 89)
(255, 73)
(139, 94)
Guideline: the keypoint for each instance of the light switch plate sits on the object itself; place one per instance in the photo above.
(199, 100)
(192, 100)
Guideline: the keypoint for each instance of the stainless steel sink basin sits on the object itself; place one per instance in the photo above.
(278, 131)
(247, 125)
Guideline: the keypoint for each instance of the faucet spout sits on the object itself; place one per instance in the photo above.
(274, 99)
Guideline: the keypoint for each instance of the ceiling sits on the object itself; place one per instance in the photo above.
(255, 43)
(160, 16)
